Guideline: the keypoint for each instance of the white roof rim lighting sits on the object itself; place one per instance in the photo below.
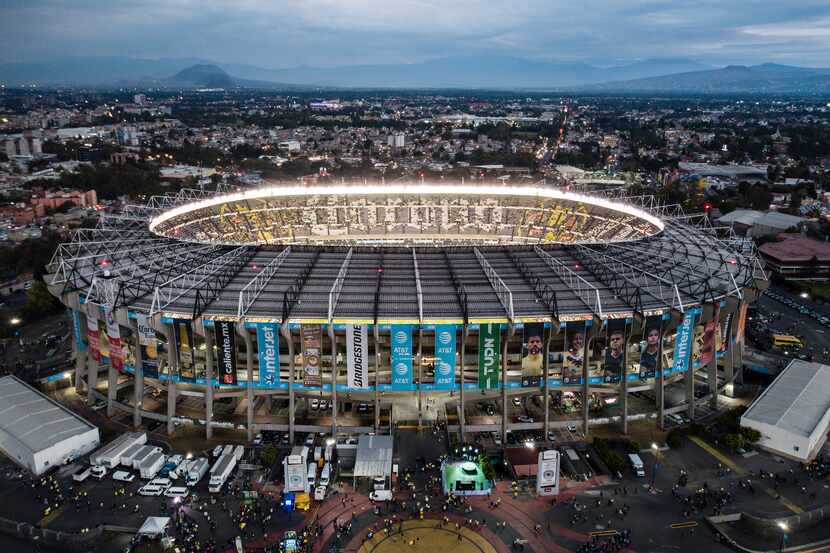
(404, 190)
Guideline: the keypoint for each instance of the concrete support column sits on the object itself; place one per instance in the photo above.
(507, 336)
(660, 382)
(80, 356)
(112, 389)
(738, 365)
(464, 334)
(172, 372)
(249, 388)
(545, 374)
(712, 378)
(138, 378)
(586, 400)
(334, 371)
(209, 361)
(91, 378)
(286, 333)
(420, 375)
(627, 333)
(377, 373)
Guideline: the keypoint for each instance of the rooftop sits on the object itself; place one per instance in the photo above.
(794, 247)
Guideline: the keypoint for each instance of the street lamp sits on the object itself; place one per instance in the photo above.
(656, 451)
(805, 295)
(784, 529)
(15, 320)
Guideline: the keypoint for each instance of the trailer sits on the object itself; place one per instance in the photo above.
(220, 472)
(110, 455)
(197, 469)
(151, 465)
(227, 450)
(129, 455)
(239, 452)
(143, 454)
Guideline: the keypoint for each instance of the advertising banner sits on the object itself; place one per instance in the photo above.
(574, 353)
(226, 349)
(444, 356)
(184, 346)
(533, 344)
(547, 476)
(708, 341)
(489, 355)
(312, 336)
(650, 348)
(612, 362)
(114, 339)
(76, 326)
(401, 357)
(683, 344)
(725, 338)
(93, 337)
(739, 332)
(357, 356)
(149, 347)
(268, 343)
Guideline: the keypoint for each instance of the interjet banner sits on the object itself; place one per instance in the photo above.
(357, 356)
(401, 357)
(226, 347)
(268, 342)
(93, 337)
(444, 357)
(683, 343)
(489, 355)
(114, 339)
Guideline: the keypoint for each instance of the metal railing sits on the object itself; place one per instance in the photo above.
(418, 287)
(337, 286)
(251, 291)
(503, 292)
(586, 291)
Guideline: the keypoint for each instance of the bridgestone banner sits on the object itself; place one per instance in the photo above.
(401, 339)
(226, 352)
(114, 339)
(444, 357)
(312, 336)
(357, 356)
(268, 343)
(489, 355)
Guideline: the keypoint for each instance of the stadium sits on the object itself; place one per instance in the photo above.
(350, 308)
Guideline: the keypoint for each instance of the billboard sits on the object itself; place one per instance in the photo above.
(401, 338)
(444, 356)
(489, 355)
(114, 339)
(76, 326)
(93, 337)
(683, 344)
(295, 474)
(739, 332)
(226, 348)
(547, 475)
(614, 354)
(268, 344)
(708, 341)
(312, 336)
(184, 347)
(357, 356)
(533, 346)
(149, 347)
(650, 347)
(725, 338)
(574, 353)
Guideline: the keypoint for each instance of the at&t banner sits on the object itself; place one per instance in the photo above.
(444, 357)
(357, 356)
(401, 357)
(489, 355)
(268, 342)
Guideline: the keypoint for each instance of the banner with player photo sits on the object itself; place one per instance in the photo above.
(357, 356)
(614, 354)
(574, 353)
(312, 342)
(225, 332)
(533, 346)
(149, 347)
(445, 356)
(184, 346)
(725, 337)
(114, 339)
(489, 355)
(709, 339)
(650, 347)
(268, 344)
(401, 355)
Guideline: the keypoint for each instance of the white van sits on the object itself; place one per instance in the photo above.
(320, 493)
(98, 472)
(162, 483)
(176, 491)
(324, 476)
(381, 495)
(122, 476)
(318, 452)
(82, 475)
(312, 474)
(150, 490)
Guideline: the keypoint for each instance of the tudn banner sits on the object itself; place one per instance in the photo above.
(268, 342)
(114, 339)
(312, 348)
(226, 344)
(401, 357)
(489, 355)
(357, 360)
(683, 344)
(444, 356)
(93, 337)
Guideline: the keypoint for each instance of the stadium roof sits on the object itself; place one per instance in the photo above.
(374, 456)
(796, 401)
(34, 420)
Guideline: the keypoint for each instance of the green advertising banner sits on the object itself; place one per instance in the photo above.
(489, 355)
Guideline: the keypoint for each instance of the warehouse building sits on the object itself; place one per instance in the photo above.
(793, 413)
(37, 432)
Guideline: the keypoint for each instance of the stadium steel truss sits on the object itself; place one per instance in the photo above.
(418, 254)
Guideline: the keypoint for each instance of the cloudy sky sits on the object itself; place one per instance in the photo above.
(287, 33)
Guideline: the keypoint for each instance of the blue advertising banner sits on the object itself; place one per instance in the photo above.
(683, 343)
(401, 357)
(76, 325)
(444, 357)
(268, 343)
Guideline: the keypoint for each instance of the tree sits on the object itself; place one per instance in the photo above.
(750, 434)
(733, 442)
(268, 456)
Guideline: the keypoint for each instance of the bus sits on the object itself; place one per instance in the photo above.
(786, 341)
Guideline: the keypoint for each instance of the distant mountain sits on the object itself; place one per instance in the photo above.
(201, 75)
(767, 78)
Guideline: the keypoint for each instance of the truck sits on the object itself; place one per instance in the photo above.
(197, 469)
(239, 452)
(227, 450)
(636, 464)
(220, 472)
(142, 454)
(129, 454)
(81, 474)
(110, 455)
(150, 467)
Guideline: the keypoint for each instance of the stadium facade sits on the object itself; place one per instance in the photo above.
(400, 295)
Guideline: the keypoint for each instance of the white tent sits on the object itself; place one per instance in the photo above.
(154, 526)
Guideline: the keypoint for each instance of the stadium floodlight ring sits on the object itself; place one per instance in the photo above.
(405, 214)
